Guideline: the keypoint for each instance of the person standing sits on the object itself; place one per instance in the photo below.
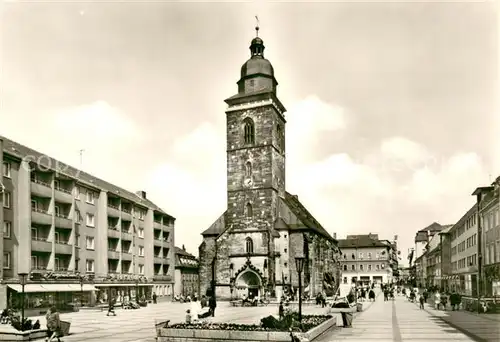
(212, 304)
(53, 324)
(154, 298)
(422, 301)
(111, 307)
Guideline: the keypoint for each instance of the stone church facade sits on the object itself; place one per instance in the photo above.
(251, 248)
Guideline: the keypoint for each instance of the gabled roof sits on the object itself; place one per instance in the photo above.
(180, 251)
(433, 227)
(19, 151)
(293, 203)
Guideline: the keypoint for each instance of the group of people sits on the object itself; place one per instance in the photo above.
(366, 292)
(201, 309)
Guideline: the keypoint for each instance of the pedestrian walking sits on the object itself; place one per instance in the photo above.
(154, 298)
(422, 301)
(111, 308)
(53, 325)
(212, 304)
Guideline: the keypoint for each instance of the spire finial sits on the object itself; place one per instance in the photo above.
(257, 26)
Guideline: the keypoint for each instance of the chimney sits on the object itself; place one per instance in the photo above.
(183, 248)
(334, 235)
(141, 194)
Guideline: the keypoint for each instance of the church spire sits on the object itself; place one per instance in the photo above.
(257, 45)
(257, 26)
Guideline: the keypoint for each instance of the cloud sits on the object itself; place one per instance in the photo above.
(99, 120)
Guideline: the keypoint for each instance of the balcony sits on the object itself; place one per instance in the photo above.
(126, 236)
(126, 256)
(64, 248)
(41, 189)
(41, 245)
(158, 260)
(61, 268)
(113, 254)
(156, 225)
(62, 221)
(158, 242)
(113, 210)
(39, 268)
(166, 260)
(114, 233)
(126, 214)
(63, 195)
(41, 216)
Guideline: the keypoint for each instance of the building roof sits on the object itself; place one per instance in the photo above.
(465, 217)
(436, 239)
(19, 151)
(295, 206)
(180, 251)
(433, 227)
(363, 241)
(298, 209)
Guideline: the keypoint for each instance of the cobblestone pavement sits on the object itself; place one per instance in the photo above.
(397, 320)
(138, 325)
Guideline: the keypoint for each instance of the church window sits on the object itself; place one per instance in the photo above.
(249, 210)
(249, 245)
(249, 131)
(248, 169)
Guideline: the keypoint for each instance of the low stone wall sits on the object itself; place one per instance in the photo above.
(23, 335)
(205, 335)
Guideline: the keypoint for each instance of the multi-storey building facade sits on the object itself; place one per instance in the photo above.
(464, 253)
(72, 232)
(251, 248)
(187, 281)
(437, 258)
(366, 260)
(489, 211)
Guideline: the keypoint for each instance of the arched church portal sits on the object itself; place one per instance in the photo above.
(249, 283)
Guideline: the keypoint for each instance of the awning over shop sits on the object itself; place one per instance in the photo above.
(122, 285)
(30, 288)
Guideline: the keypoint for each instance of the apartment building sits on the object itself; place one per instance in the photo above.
(464, 253)
(366, 260)
(437, 258)
(490, 237)
(75, 235)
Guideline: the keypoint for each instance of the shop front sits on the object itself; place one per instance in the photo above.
(38, 298)
(123, 292)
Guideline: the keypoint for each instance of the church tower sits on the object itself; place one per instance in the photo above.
(255, 146)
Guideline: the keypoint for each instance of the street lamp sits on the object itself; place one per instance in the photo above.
(22, 279)
(299, 263)
(137, 290)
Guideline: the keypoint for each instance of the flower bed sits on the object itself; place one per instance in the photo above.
(311, 327)
(308, 322)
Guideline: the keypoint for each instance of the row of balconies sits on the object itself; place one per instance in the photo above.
(64, 195)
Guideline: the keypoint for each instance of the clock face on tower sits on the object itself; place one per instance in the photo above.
(247, 182)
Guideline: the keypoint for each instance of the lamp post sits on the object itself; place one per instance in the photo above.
(22, 279)
(81, 290)
(213, 278)
(137, 290)
(299, 263)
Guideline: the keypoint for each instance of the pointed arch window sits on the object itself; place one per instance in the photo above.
(249, 131)
(248, 169)
(249, 210)
(249, 245)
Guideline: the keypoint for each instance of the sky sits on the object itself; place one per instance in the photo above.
(392, 116)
